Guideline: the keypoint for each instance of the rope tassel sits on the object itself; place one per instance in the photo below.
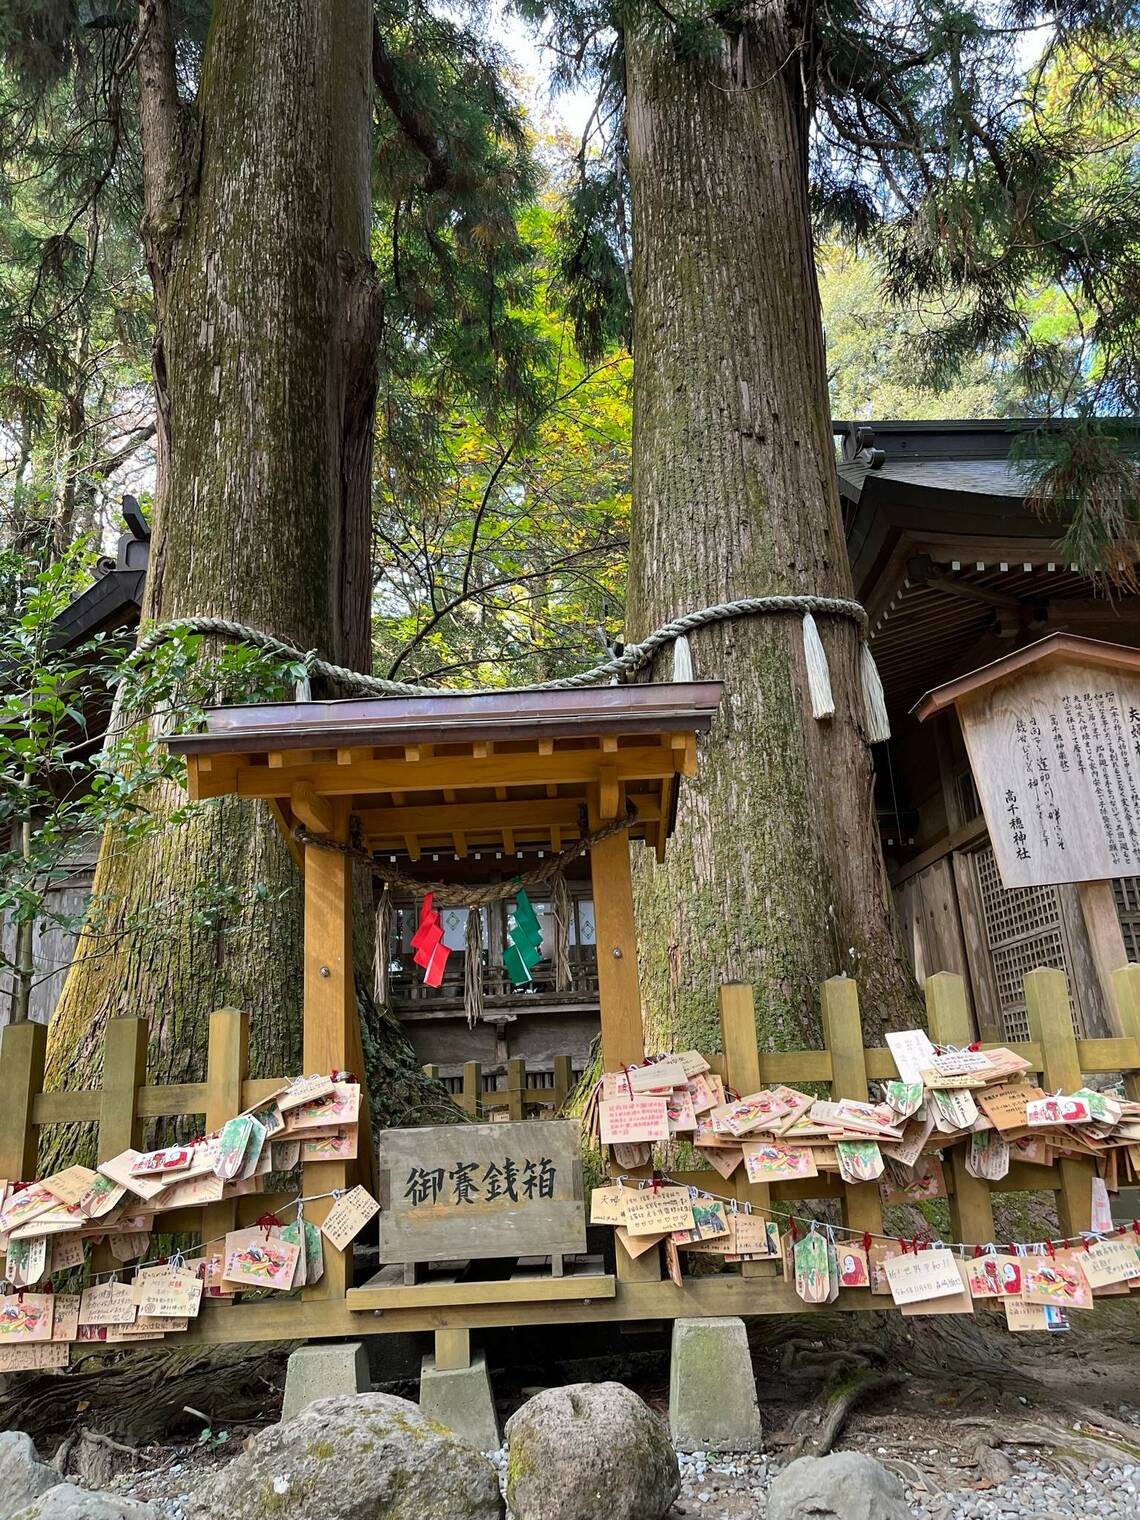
(473, 968)
(382, 949)
(563, 912)
(874, 699)
(682, 659)
(818, 675)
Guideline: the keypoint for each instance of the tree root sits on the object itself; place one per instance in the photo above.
(815, 1432)
(141, 1395)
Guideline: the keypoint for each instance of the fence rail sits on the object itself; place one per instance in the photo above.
(517, 1099)
(121, 1107)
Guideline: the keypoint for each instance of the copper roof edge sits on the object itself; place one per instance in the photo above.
(456, 717)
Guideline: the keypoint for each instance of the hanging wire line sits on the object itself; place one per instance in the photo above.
(157, 1261)
(1014, 1247)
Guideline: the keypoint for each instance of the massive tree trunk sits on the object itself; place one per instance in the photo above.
(775, 874)
(257, 226)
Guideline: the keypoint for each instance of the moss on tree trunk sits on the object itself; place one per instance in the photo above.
(774, 875)
(257, 230)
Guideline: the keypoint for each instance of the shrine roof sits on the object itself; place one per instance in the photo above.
(461, 771)
(455, 717)
(1057, 648)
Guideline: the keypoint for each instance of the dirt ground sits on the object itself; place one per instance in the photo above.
(975, 1421)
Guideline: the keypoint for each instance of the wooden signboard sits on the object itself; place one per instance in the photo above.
(1055, 755)
(481, 1190)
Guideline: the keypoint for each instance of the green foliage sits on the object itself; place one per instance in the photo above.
(81, 749)
(986, 155)
(508, 570)
(872, 344)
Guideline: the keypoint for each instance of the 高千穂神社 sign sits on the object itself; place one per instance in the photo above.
(1054, 749)
(481, 1190)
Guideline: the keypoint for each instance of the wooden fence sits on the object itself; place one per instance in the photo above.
(517, 1100)
(122, 1106)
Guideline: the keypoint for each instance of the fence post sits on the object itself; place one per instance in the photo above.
(227, 1066)
(432, 1071)
(563, 1081)
(742, 1072)
(472, 1094)
(1051, 1025)
(843, 1037)
(516, 1084)
(971, 1207)
(22, 1050)
(1126, 982)
(124, 1072)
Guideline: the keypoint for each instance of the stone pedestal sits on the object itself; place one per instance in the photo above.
(461, 1399)
(321, 1370)
(712, 1391)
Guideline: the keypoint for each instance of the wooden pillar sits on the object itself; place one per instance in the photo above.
(843, 1036)
(227, 1066)
(971, 1207)
(1126, 986)
(619, 990)
(1051, 1025)
(22, 1050)
(516, 1088)
(472, 1094)
(742, 1072)
(124, 1072)
(330, 1008)
(1106, 940)
(563, 1080)
(452, 1350)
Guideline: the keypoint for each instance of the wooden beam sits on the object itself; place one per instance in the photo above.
(124, 1072)
(608, 796)
(314, 811)
(565, 767)
(283, 817)
(971, 1211)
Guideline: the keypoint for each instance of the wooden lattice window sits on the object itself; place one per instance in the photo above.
(1126, 890)
(1024, 930)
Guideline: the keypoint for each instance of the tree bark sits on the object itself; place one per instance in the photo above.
(257, 224)
(775, 874)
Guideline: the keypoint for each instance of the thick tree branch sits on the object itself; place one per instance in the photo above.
(161, 128)
(412, 123)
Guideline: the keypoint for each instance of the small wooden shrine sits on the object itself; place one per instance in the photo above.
(448, 775)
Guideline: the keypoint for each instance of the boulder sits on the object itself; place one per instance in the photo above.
(846, 1485)
(23, 1477)
(586, 1451)
(364, 1456)
(66, 1501)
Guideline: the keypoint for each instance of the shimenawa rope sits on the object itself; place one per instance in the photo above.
(633, 658)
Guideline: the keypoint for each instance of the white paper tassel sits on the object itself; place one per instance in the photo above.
(874, 701)
(682, 659)
(819, 677)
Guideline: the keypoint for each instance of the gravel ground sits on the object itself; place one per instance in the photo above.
(736, 1488)
(716, 1487)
